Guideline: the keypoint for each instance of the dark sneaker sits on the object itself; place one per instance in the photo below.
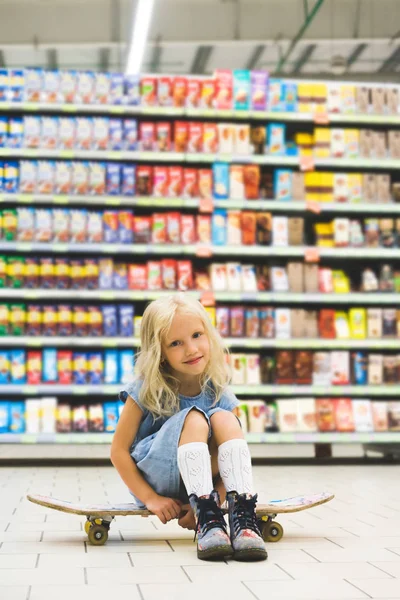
(212, 538)
(246, 538)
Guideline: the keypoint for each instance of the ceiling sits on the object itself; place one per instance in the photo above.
(198, 36)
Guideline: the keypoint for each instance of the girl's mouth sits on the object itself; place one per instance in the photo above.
(194, 361)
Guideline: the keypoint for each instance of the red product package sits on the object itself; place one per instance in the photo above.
(184, 275)
(34, 367)
(175, 182)
(193, 93)
(64, 366)
(205, 183)
(161, 180)
(180, 136)
(144, 180)
(142, 227)
(179, 91)
(163, 137)
(190, 183)
(159, 229)
(203, 229)
(210, 138)
(147, 136)
(148, 91)
(187, 229)
(154, 278)
(195, 141)
(248, 226)
(173, 228)
(168, 274)
(208, 88)
(137, 277)
(164, 91)
(326, 323)
(344, 415)
(224, 89)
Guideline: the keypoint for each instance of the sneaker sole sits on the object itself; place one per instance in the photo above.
(215, 553)
(250, 555)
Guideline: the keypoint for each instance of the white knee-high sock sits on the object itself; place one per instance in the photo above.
(234, 464)
(194, 464)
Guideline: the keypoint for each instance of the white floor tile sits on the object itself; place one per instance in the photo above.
(17, 561)
(379, 588)
(304, 590)
(85, 592)
(41, 576)
(19, 592)
(199, 591)
(236, 572)
(125, 575)
(353, 570)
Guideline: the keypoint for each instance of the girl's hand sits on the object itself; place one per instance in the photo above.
(186, 518)
(165, 508)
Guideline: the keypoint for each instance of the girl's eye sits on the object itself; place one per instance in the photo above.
(174, 344)
(198, 334)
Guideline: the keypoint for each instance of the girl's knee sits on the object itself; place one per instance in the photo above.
(196, 421)
(223, 418)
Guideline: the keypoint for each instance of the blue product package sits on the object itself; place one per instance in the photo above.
(128, 183)
(218, 226)
(16, 85)
(110, 327)
(110, 226)
(289, 97)
(116, 88)
(1, 176)
(113, 179)
(95, 368)
(3, 131)
(111, 367)
(221, 181)
(276, 134)
(79, 367)
(115, 134)
(33, 84)
(110, 416)
(4, 366)
(18, 366)
(126, 313)
(275, 103)
(15, 132)
(4, 85)
(17, 417)
(360, 369)
(4, 416)
(283, 184)
(130, 134)
(132, 89)
(241, 89)
(49, 362)
(126, 360)
(11, 177)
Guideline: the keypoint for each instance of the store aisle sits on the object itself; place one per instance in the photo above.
(347, 549)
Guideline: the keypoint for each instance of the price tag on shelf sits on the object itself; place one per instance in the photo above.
(69, 108)
(61, 199)
(321, 118)
(207, 299)
(26, 198)
(78, 390)
(307, 163)
(113, 202)
(206, 205)
(313, 206)
(117, 110)
(31, 107)
(203, 251)
(311, 255)
(67, 154)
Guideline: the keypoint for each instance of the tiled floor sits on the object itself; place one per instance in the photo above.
(347, 549)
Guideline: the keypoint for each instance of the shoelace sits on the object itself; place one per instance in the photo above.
(210, 516)
(244, 514)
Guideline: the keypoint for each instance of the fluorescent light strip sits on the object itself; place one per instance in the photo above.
(139, 36)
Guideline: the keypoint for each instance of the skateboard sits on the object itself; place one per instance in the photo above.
(100, 516)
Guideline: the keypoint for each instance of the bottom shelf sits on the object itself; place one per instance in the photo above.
(252, 438)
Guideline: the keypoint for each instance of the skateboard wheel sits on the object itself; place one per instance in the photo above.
(274, 532)
(88, 525)
(98, 535)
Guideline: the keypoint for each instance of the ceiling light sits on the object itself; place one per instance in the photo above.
(140, 32)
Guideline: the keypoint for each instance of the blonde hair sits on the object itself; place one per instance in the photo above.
(159, 391)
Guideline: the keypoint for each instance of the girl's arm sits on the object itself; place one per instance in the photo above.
(128, 425)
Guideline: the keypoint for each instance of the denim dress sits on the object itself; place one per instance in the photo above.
(155, 447)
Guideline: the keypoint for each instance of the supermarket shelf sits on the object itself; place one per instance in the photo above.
(243, 343)
(150, 201)
(195, 112)
(252, 438)
(124, 155)
(365, 391)
(273, 297)
(200, 250)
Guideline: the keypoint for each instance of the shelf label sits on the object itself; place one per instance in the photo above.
(312, 255)
(77, 389)
(207, 299)
(60, 247)
(109, 343)
(206, 205)
(114, 155)
(61, 200)
(26, 199)
(203, 251)
(307, 163)
(67, 154)
(313, 206)
(113, 202)
(69, 108)
(30, 390)
(24, 247)
(117, 110)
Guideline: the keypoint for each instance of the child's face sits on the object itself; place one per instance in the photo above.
(186, 347)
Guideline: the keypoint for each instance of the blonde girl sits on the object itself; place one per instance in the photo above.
(178, 411)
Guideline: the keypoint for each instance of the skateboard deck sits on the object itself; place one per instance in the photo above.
(99, 516)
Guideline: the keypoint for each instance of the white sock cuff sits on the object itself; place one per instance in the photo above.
(192, 447)
(235, 443)
(234, 464)
(194, 465)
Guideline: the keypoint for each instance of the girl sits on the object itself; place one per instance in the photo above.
(177, 412)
